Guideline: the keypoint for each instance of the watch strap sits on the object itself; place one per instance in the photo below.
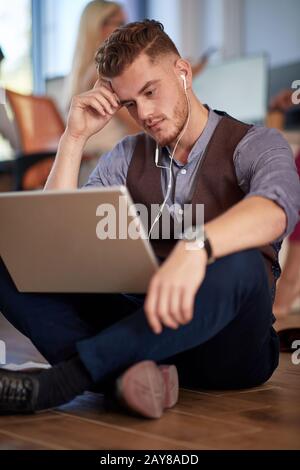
(208, 249)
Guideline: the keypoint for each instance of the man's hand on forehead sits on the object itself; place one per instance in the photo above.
(104, 82)
(92, 110)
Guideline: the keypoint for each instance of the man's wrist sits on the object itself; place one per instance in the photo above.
(195, 239)
(70, 137)
(194, 248)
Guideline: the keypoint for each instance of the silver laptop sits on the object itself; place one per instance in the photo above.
(59, 241)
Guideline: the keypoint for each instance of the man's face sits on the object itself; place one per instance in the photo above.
(154, 96)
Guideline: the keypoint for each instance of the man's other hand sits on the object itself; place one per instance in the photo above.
(171, 293)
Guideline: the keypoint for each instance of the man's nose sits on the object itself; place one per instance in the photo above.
(145, 111)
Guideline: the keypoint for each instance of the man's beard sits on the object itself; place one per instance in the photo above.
(178, 121)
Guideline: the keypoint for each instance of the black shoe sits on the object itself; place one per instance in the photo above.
(18, 392)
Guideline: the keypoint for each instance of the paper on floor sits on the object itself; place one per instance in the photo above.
(26, 365)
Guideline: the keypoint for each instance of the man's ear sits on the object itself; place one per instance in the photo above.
(183, 67)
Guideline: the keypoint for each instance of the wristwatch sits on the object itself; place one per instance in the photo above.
(197, 239)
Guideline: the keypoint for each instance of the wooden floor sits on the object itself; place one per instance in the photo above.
(267, 417)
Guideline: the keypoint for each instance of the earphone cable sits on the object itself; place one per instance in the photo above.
(170, 167)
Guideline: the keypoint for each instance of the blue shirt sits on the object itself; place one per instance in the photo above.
(263, 162)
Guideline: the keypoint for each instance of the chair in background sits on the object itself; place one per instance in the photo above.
(40, 127)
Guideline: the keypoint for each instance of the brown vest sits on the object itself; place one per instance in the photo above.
(216, 183)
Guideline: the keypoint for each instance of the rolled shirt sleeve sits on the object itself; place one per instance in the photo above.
(112, 167)
(265, 166)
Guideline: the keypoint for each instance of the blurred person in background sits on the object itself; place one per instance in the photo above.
(288, 289)
(289, 284)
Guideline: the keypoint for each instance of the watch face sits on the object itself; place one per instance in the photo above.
(193, 233)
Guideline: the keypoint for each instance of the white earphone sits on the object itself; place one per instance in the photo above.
(183, 77)
(184, 80)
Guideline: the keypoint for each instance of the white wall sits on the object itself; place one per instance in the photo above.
(212, 28)
(196, 25)
(186, 23)
(236, 27)
(273, 26)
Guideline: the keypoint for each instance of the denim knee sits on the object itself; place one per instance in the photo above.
(244, 268)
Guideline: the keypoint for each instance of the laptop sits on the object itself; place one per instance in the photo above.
(61, 241)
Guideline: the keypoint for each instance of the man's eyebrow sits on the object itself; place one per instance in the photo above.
(150, 82)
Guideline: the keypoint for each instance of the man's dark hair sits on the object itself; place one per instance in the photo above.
(126, 43)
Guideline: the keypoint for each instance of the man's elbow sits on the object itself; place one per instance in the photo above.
(280, 222)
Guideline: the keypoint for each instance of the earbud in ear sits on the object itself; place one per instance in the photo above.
(156, 155)
(184, 80)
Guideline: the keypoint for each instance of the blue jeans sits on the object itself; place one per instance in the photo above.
(230, 342)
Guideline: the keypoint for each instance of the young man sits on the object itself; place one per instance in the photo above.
(212, 321)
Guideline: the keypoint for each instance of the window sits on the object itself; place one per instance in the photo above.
(15, 41)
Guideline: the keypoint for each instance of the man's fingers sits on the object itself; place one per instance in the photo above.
(150, 310)
(175, 304)
(107, 107)
(111, 97)
(93, 103)
(187, 305)
(168, 306)
(97, 83)
(102, 82)
(104, 87)
(163, 308)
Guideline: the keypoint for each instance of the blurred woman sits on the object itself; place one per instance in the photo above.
(288, 289)
(98, 20)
